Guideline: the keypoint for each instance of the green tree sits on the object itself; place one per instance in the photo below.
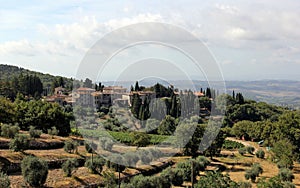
(7, 111)
(70, 146)
(282, 153)
(286, 174)
(260, 154)
(53, 132)
(19, 143)
(242, 151)
(69, 166)
(106, 143)
(167, 126)
(4, 180)
(90, 147)
(34, 133)
(95, 165)
(34, 171)
(173, 175)
(88, 83)
(241, 129)
(216, 179)
(254, 172)
(250, 149)
(9, 131)
(140, 139)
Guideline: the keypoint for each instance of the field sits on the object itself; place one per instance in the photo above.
(233, 163)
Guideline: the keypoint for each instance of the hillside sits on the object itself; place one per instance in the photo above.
(7, 72)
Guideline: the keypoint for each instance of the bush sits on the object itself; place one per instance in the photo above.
(254, 172)
(260, 154)
(141, 181)
(70, 146)
(131, 158)
(34, 171)
(242, 151)
(4, 180)
(244, 185)
(69, 166)
(106, 143)
(145, 156)
(160, 182)
(19, 143)
(34, 133)
(9, 131)
(175, 176)
(186, 167)
(53, 131)
(285, 163)
(90, 147)
(286, 175)
(202, 163)
(229, 144)
(140, 139)
(116, 162)
(250, 149)
(156, 153)
(95, 165)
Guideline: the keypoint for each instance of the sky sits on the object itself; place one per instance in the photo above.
(249, 40)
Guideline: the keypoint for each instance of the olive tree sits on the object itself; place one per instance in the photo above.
(4, 180)
(34, 171)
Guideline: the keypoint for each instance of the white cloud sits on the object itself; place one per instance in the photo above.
(67, 39)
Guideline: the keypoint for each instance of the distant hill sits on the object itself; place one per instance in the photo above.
(278, 92)
(7, 72)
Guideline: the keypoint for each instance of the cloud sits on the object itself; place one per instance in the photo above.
(67, 39)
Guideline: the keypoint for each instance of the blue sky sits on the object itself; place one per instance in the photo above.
(250, 40)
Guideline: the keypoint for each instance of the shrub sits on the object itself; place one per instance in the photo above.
(131, 158)
(286, 175)
(145, 156)
(109, 178)
(140, 139)
(106, 143)
(53, 131)
(34, 133)
(285, 163)
(95, 165)
(250, 149)
(116, 162)
(229, 144)
(244, 185)
(254, 172)
(156, 153)
(242, 151)
(9, 131)
(257, 168)
(19, 143)
(186, 168)
(70, 146)
(175, 176)
(160, 182)
(141, 181)
(4, 180)
(250, 174)
(260, 154)
(69, 166)
(34, 171)
(90, 147)
(202, 163)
